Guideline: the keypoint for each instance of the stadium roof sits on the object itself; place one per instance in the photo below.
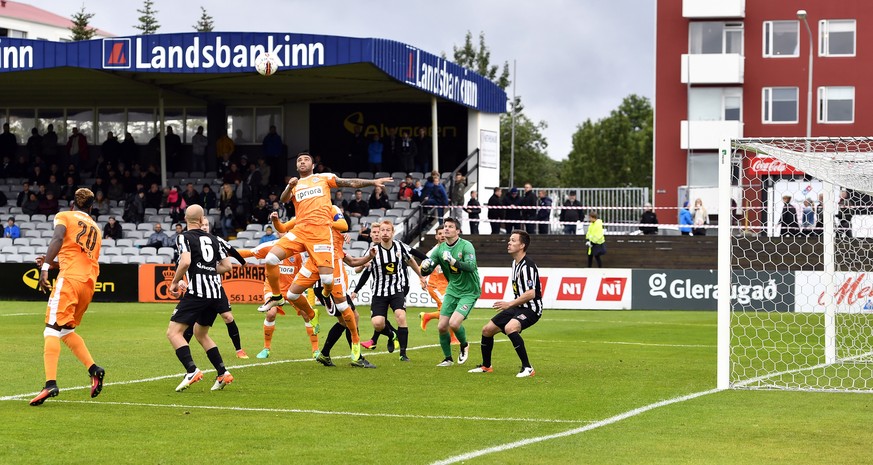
(197, 68)
(25, 12)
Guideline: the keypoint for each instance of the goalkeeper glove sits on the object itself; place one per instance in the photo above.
(426, 264)
(447, 256)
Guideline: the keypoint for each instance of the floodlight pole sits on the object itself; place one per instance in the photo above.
(512, 137)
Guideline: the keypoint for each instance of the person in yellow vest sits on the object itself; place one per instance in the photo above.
(596, 241)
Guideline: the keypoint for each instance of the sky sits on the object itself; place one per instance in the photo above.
(575, 59)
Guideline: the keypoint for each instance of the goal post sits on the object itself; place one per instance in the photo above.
(796, 264)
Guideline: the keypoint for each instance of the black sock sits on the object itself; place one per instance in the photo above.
(188, 334)
(349, 301)
(486, 345)
(184, 355)
(387, 331)
(51, 383)
(518, 343)
(348, 336)
(215, 358)
(388, 325)
(332, 336)
(233, 332)
(403, 337)
(375, 336)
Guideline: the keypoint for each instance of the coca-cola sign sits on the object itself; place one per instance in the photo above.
(851, 292)
(759, 166)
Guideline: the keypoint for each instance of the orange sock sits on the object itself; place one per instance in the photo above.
(349, 318)
(313, 338)
(303, 307)
(273, 278)
(80, 350)
(436, 296)
(51, 354)
(268, 335)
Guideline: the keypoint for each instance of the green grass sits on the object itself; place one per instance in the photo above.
(590, 366)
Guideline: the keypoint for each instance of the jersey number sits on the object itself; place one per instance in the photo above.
(90, 239)
(206, 249)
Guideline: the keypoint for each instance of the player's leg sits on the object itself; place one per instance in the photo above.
(494, 326)
(269, 329)
(233, 333)
(427, 316)
(183, 317)
(399, 305)
(456, 323)
(449, 304)
(201, 332)
(285, 247)
(522, 320)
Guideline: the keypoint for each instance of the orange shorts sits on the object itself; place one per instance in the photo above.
(68, 302)
(308, 276)
(299, 240)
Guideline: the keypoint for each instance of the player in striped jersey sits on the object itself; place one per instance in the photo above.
(76, 244)
(202, 261)
(518, 314)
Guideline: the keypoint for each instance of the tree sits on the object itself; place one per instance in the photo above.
(615, 151)
(81, 26)
(148, 23)
(532, 164)
(205, 23)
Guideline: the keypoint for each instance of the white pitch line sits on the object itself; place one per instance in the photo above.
(556, 341)
(595, 425)
(322, 412)
(22, 314)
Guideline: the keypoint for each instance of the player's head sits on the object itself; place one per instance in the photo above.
(376, 231)
(194, 216)
(83, 200)
(440, 234)
(204, 224)
(451, 229)
(519, 240)
(387, 229)
(304, 163)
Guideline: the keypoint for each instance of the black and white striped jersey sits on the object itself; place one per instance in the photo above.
(526, 276)
(388, 268)
(203, 279)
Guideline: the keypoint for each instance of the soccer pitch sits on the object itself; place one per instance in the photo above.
(611, 387)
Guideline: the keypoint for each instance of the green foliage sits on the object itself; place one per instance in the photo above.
(205, 23)
(81, 29)
(532, 164)
(615, 151)
(148, 23)
(479, 60)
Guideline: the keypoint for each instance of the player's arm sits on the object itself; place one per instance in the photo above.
(279, 226)
(225, 265)
(181, 269)
(525, 297)
(361, 282)
(358, 183)
(286, 194)
(357, 261)
(467, 261)
(414, 265)
(51, 254)
(339, 220)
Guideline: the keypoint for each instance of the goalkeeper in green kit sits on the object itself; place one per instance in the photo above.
(457, 258)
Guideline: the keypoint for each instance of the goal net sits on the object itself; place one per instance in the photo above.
(796, 252)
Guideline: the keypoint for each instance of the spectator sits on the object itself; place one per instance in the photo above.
(379, 201)
(437, 196)
(8, 143)
(266, 171)
(51, 185)
(30, 206)
(134, 208)
(227, 203)
(23, 194)
(269, 235)
(544, 213)
(261, 213)
(253, 180)
(7, 169)
(596, 240)
(101, 205)
(473, 209)
(48, 205)
(391, 145)
(274, 152)
(788, 218)
(404, 192)
(98, 185)
(279, 209)
(649, 217)
(113, 229)
(358, 207)
(701, 218)
(408, 152)
(339, 201)
(364, 233)
(424, 147)
(12, 231)
(685, 220)
(34, 144)
(529, 200)
(3, 200)
(458, 188)
(175, 237)
(176, 204)
(111, 149)
(50, 144)
(232, 174)
(129, 149)
(224, 148)
(153, 197)
(571, 213)
(844, 215)
(173, 147)
(116, 190)
(77, 150)
(199, 142)
(496, 215)
(374, 154)
(416, 191)
(513, 213)
(191, 197)
(207, 198)
(158, 238)
(68, 192)
(808, 217)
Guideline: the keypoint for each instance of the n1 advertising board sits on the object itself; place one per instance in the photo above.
(698, 290)
(852, 292)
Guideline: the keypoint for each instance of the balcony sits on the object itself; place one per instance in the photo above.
(708, 134)
(695, 9)
(708, 68)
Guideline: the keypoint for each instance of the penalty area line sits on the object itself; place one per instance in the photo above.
(574, 431)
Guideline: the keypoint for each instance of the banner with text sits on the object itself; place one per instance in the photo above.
(116, 283)
(698, 290)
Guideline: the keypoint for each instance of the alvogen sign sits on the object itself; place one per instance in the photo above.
(698, 290)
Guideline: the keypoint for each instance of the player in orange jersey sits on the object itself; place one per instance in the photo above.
(312, 230)
(76, 246)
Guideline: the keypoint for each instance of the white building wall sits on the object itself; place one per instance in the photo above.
(39, 31)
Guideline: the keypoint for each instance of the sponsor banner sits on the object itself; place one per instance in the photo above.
(760, 166)
(116, 283)
(243, 284)
(852, 292)
(698, 290)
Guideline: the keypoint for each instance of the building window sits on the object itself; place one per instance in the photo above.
(13, 33)
(836, 37)
(781, 38)
(836, 104)
(716, 38)
(248, 125)
(779, 105)
(715, 104)
(732, 108)
(703, 169)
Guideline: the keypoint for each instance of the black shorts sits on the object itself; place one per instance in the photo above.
(224, 306)
(379, 306)
(526, 317)
(198, 310)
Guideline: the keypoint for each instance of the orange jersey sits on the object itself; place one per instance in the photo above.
(438, 280)
(81, 247)
(312, 199)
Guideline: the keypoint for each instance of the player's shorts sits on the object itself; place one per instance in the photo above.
(526, 317)
(308, 276)
(192, 309)
(379, 305)
(68, 302)
(300, 240)
(224, 306)
(462, 305)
